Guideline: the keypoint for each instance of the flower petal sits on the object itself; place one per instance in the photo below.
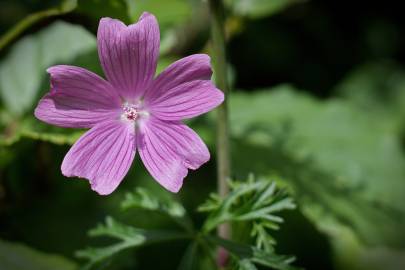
(78, 98)
(103, 155)
(168, 150)
(186, 100)
(129, 54)
(187, 69)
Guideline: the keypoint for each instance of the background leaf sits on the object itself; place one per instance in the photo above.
(322, 150)
(16, 256)
(168, 13)
(23, 69)
(260, 8)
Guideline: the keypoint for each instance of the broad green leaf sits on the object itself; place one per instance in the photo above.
(374, 85)
(127, 236)
(343, 162)
(351, 253)
(23, 69)
(259, 8)
(16, 256)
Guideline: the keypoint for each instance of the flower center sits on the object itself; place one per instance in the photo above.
(130, 112)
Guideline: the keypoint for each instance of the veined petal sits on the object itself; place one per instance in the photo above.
(129, 54)
(78, 98)
(187, 69)
(168, 150)
(103, 155)
(186, 100)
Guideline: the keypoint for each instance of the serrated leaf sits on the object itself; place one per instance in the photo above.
(245, 253)
(143, 199)
(248, 201)
(128, 237)
(23, 69)
(211, 204)
(245, 264)
(17, 256)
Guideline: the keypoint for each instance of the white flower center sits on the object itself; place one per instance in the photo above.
(131, 113)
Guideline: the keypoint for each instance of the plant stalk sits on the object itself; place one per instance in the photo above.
(64, 7)
(220, 69)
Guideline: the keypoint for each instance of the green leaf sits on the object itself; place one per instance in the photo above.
(343, 162)
(127, 236)
(247, 255)
(23, 69)
(352, 253)
(68, 6)
(16, 256)
(260, 8)
(255, 201)
(246, 264)
(188, 262)
(374, 85)
(143, 199)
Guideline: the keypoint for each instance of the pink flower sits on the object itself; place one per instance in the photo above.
(131, 110)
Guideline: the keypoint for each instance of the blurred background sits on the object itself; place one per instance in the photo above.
(318, 105)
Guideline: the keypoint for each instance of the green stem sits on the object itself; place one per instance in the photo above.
(23, 25)
(65, 7)
(220, 68)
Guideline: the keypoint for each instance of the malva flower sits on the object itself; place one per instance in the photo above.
(132, 110)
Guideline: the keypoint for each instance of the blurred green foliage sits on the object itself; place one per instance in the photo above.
(339, 157)
(259, 8)
(20, 257)
(322, 149)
